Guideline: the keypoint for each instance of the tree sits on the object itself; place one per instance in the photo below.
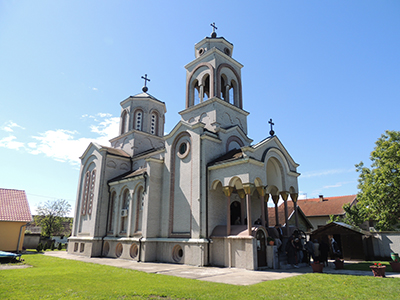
(379, 185)
(51, 215)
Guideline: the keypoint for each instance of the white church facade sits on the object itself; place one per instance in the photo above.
(194, 195)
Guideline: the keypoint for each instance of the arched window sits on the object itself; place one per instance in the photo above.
(138, 120)
(206, 83)
(124, 211)
(91, 193)
(233, 97)
(111, 212)
(86, 191)
(139, 209)
(154, 123)
(124, 122)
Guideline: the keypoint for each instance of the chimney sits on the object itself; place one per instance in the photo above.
(321, 198)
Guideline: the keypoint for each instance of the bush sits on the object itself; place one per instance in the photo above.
(45, 247)
(39, 247)
(59, 247)
(52, 246)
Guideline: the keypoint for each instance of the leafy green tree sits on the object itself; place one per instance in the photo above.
(379, 185)
(51, 215)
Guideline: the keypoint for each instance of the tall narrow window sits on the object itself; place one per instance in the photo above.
(154, 123)
(138, 120)
(139, 209)
(124, 212)
(85, 196)
(91, 192)
(111, 211)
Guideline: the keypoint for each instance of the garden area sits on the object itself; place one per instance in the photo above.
(55, 278)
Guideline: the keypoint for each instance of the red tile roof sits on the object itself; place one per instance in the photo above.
(281, 213)
(14, 206)
(328, 206)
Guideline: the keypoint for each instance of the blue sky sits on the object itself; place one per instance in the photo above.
(326, 72)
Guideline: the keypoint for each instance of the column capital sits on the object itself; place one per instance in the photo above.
(275, 198)
(241, 193)
(294, 196)
(261, 191)
(266, 198)
(284, 195)
(227, 190)
(248, 188)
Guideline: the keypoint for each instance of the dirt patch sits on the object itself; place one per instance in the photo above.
(13, 266)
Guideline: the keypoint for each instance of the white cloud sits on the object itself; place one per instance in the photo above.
(66, 145)
(326, 172)
(95, 89)
(10, 143)
(8, 126)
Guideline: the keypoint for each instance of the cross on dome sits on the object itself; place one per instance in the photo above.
(213, 34)
(145, 89)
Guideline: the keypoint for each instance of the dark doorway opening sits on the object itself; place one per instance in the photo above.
(235, 213)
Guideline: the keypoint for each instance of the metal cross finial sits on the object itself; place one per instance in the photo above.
(272, 132)
(145, 89)
(213, 34)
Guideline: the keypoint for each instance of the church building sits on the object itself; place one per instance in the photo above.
(197, 195)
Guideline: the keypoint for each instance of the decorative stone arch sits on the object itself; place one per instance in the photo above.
(276, 173)
(233, 138)
(277, 153)
(238, 95)
(215, 183)
(190, 79)
(124, 124)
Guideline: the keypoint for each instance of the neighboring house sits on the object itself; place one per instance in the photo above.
(193, 195)
(303, 222)
(15, 214)
(319, 209)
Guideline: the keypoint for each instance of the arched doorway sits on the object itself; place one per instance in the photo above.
(261, 249)
(235, 213)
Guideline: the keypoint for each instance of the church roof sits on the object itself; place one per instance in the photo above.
(146, 95)
(114, 151)
(232, 155)
(128, 175)
(14, 206)
(325, 206)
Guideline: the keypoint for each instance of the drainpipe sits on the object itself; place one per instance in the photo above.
(19, 237)
(140, 248)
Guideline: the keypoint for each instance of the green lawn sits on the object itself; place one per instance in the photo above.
(55, 278)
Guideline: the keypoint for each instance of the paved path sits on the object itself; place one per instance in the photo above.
(213, 274)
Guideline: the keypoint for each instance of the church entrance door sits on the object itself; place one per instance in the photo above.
(235, 213)
(261, 249)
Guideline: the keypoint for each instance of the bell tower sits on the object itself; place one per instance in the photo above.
(213, 73)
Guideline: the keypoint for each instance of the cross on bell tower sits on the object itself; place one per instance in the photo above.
(145, 89)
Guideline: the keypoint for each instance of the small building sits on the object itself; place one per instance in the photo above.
(15, 214)
(318, 210)
(354, 242)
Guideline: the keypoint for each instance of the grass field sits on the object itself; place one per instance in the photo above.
(55, 278)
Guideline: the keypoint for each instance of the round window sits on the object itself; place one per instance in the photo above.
(227, 51)
(118, 250)
(177, 253)
(201, 51)
(134, 251)
(183, 149)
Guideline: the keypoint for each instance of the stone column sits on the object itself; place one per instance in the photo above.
(248, 189)
(266, 197)
(275, 198)
(261, 193)
(242, 195)
(227, 93)
(201, 94)
(228, 192)
(294, 197)
(284, 196)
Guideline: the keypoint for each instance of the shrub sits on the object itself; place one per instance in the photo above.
(52, 246)
(59, 246)
(45, 247)
(39, 247)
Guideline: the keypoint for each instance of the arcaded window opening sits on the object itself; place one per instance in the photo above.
(86, 190)
(111, 212)
(154, 123)
(91, 192)
(138, 120)
(124, 122)
(139, 209)
(124, 211)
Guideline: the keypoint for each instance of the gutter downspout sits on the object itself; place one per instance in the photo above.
(19, 237)
(140, 248)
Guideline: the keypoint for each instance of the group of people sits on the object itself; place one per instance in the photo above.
(317, 250)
